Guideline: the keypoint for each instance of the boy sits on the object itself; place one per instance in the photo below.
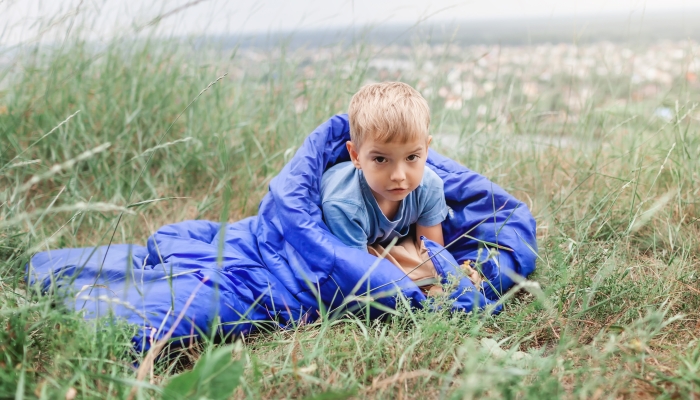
(385, 191)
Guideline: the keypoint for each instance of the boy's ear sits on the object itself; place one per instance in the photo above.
(354, 157)
(430, 139)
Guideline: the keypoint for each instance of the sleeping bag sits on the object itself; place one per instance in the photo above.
(283, 267)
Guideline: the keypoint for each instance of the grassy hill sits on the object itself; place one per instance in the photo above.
(601, 140)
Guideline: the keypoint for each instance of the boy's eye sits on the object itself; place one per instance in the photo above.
(412, 157)
(380, 160)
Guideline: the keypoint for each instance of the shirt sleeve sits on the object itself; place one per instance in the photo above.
(434, 205)
(343, 220)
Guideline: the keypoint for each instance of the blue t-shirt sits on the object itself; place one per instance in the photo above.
(353, 215)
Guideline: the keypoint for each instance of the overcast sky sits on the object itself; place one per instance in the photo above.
(25, 20)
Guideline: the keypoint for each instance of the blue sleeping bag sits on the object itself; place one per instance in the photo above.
(283, 267)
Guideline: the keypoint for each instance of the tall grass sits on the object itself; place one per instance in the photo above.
(614, 190)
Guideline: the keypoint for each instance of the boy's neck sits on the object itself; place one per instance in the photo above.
(388, 207)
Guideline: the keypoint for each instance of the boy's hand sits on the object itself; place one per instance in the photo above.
(472, 273)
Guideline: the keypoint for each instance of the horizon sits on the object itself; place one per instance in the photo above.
(39, 20)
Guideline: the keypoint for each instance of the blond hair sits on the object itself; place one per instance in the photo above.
(387, 112)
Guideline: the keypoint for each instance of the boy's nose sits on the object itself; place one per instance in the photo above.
(398, 175)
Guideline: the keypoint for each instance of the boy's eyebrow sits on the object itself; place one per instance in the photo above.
(378, 152)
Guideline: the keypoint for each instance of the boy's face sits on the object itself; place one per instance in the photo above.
(392, 170)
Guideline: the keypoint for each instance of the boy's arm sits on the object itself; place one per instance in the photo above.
(433, 233)
(344, 221)
(434, 209)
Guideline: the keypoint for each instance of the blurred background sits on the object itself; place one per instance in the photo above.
(512, 77)
(315, 21)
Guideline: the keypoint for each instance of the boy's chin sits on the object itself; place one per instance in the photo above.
(396, 196)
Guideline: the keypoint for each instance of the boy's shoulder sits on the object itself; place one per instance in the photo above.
(431, 181)
(340, 183)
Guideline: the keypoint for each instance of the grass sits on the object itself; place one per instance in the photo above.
(614, 190)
